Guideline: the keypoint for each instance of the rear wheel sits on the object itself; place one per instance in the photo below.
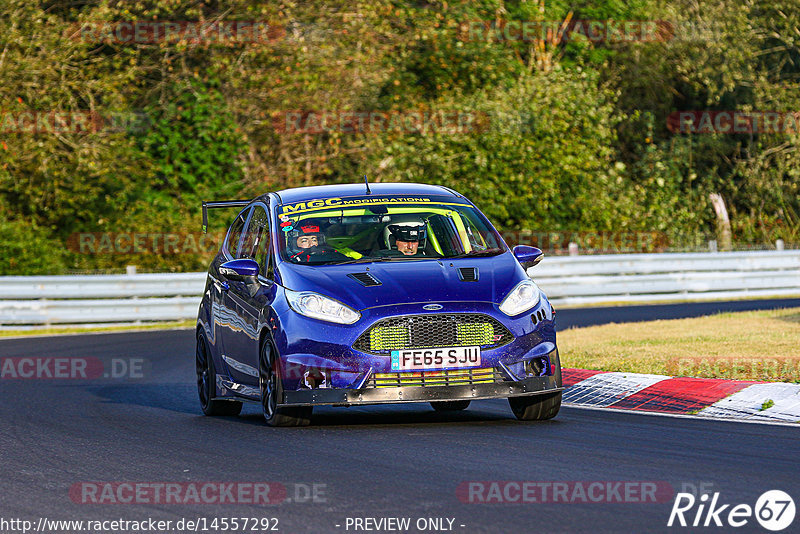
(539, 407)
(206, 387)
(271, 387)
(450, 406)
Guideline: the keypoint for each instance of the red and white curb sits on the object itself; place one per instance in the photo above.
(702, 397)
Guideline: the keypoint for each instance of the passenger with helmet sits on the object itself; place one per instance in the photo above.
(405, 239)
(306, 244)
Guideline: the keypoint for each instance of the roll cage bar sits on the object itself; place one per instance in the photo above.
(220, 204)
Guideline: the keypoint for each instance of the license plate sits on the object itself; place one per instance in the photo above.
(440, 358)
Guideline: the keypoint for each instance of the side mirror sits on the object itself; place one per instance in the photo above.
(528, 256)
(244, 270)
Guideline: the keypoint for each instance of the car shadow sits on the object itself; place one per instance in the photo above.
(182, 398)
(397, 415)
(175, 396)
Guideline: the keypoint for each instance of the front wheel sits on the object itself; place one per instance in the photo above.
(539, 407)
(535, 407)
(271, 387)
(206, 386)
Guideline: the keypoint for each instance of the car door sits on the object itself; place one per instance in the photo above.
(224, 317)
(248, 299)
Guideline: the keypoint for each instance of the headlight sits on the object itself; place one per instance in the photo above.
(321, 307)
(522, 298)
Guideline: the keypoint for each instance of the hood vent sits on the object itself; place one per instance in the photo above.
(365, 279)
(468, 274)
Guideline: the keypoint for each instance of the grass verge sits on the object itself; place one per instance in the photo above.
(755, 345)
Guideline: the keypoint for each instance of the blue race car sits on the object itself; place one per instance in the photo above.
(371, 294)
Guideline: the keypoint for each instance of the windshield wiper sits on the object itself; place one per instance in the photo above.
(363, 260)
(383, 258)
(477, 254)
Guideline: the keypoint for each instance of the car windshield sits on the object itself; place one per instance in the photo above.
(362, 230)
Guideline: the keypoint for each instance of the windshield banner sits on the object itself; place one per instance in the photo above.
(310, 205)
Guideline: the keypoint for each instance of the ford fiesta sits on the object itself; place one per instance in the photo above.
(371, 294)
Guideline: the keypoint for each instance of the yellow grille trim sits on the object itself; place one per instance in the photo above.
(453, 377)
(389, 337)
(474, 333)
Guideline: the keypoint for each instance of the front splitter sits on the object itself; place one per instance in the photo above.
(393, 395)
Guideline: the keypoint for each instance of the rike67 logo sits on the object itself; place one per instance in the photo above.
(774, 510)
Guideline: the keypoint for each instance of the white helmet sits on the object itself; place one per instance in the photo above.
(414, 230)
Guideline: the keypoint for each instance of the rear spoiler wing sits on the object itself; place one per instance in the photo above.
(220, 204)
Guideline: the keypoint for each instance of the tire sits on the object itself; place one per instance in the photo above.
(206, 385)
(450, 406)
(271, 386)
(535, 407)
(539, 407)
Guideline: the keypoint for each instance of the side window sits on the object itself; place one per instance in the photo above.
(476, 239)
(479, 234)
(232, 244)
(256, 239)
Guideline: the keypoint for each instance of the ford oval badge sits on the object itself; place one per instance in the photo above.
(432, 307)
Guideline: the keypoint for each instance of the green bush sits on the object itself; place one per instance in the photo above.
(27, 249)
(577, 135)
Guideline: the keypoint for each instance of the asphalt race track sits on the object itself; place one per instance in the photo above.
(394, 461)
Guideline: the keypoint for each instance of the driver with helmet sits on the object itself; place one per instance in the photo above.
(306, 244)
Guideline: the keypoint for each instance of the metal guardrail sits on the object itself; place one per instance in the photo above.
(570, 280)
(97, 311)
(101, 286)
(123, 298)
(574, 280)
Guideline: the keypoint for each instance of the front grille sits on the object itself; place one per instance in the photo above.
(433, 330)
(454, 377)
